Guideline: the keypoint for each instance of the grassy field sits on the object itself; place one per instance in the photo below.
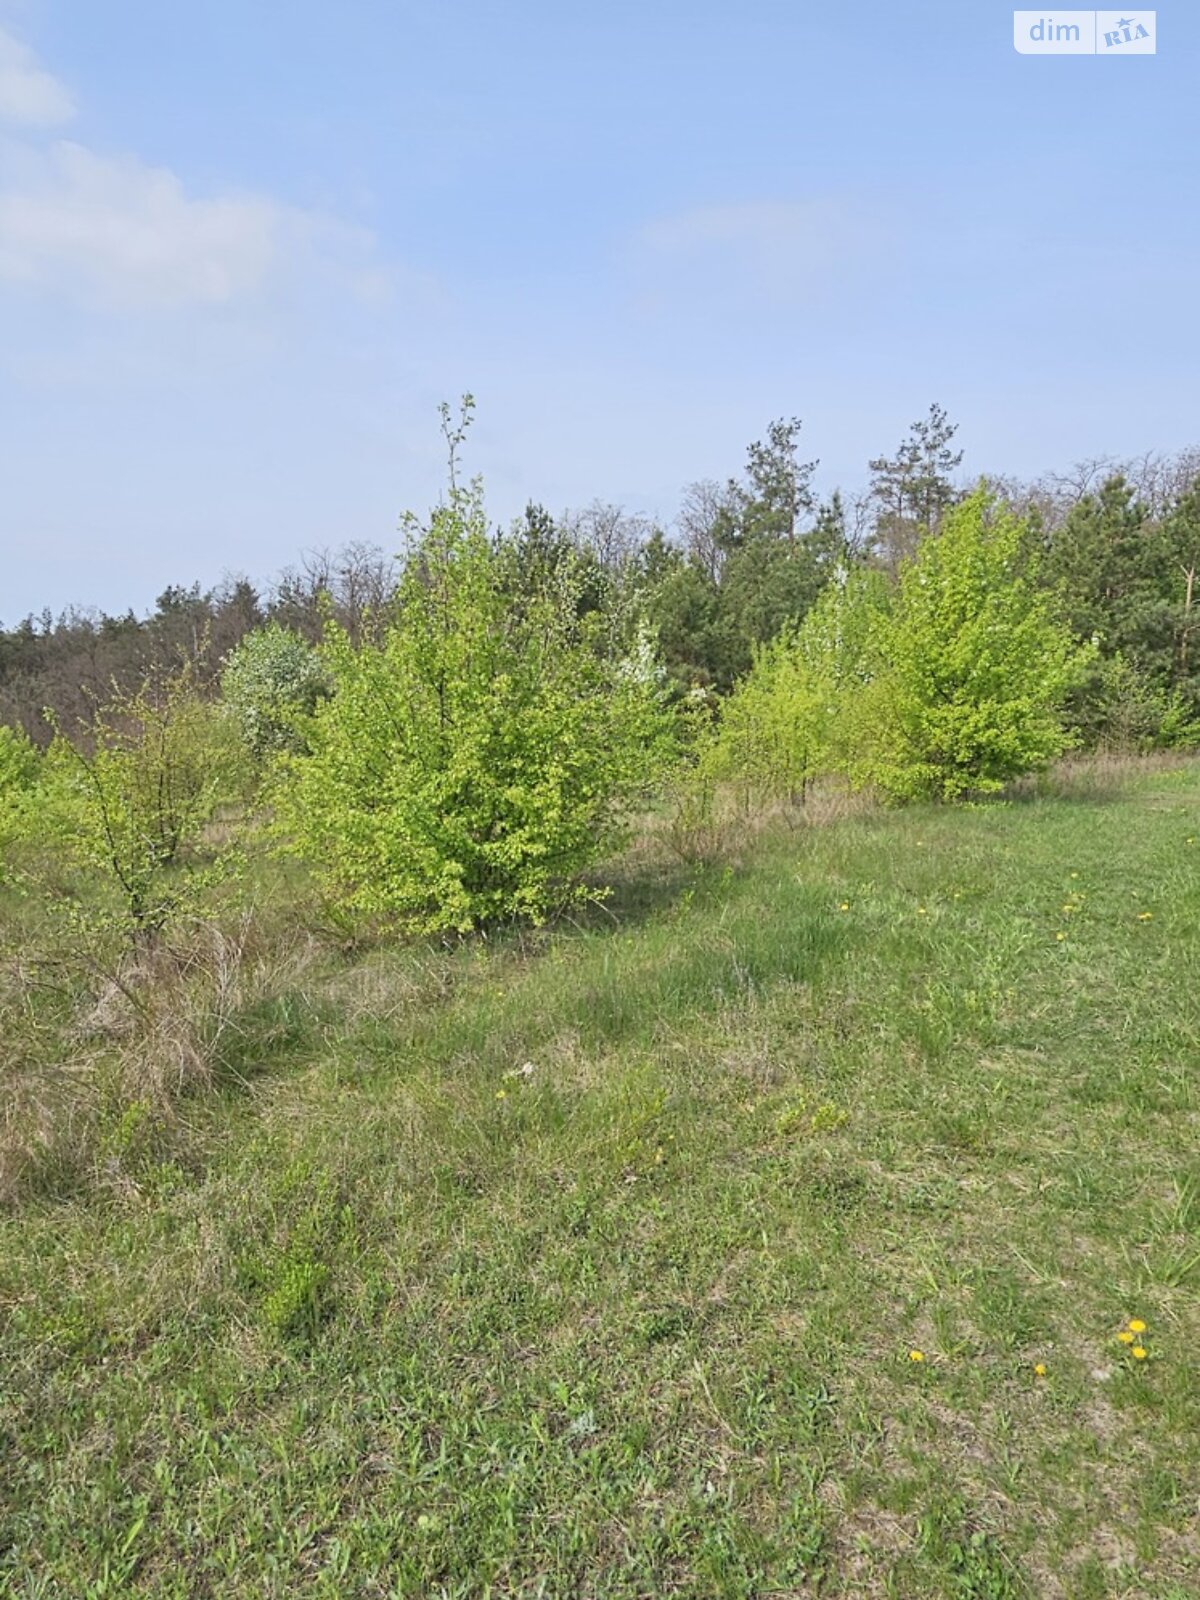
(768, 1234)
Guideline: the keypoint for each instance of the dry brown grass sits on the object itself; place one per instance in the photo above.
(716, 824)
(128, 1039)
(1097, 774)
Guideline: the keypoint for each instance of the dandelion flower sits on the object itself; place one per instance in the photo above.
(845, 906)
(1145, 916)
(1040, 1370)
(1125, 1336)
(916, 1355)
(501, 1094)
(920, 911)
(1138, 1352)
(1136, 1325)
(1060, 937)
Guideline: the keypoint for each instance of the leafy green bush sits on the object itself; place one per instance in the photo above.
(136, 790)
(953, 684)
(474, 762)
(974, 665)
(272, 682)
(20, 777)
(771, 735)
(787, 720)
(1119, 708)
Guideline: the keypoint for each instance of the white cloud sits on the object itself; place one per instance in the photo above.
(116, 231)
(28, 93)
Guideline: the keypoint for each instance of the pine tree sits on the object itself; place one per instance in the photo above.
(913, 488)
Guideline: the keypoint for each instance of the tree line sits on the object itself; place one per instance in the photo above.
(745, 559)
(460, 736)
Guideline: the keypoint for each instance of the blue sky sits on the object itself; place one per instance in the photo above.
(245, 249)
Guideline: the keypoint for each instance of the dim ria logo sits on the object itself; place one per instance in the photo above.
(1084, 33)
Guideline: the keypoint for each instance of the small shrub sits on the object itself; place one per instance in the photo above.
(701, 828)
(272, 682)
(135, 791)
(1117, 708)
(21, 770)
(790, 720)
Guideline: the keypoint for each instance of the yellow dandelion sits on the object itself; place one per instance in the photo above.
(501, 1094)
(1068, 908)
(1040, 1370)
(1060, 937)
(920, 911)
(1145, 916)
(1138, 1352)
(845, 906)
(1074, 874)
(1125, 1336)
(1136, 1325)
(916, 1355)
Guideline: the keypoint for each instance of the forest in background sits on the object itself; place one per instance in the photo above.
(746, 558)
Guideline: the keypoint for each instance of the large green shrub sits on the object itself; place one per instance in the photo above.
(974, 664)
(474, 762)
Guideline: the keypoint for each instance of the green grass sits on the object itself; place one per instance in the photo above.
(590, 1264)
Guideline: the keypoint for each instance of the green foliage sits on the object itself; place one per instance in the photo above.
(19, 761)
(471, 765)
(974, 666)
(136, 790)
(684, 604)
(789, 719)
(293, 1308)
(1099, 559)
(912, 490)
(294, 1278)
(768, 584)
(1132, 581)
(1116, 707)
(272, 681)
(772, 734)
(749, 568)
(20, 775)
(952, 685)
